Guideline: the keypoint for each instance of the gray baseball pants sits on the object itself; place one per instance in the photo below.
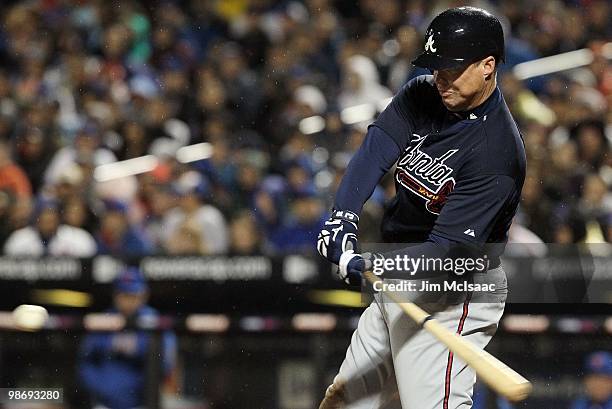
(392, 363)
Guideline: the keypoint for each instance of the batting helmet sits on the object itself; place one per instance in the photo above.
(460, 36)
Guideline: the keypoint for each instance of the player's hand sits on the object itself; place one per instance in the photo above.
(352, 266)
(338, 235)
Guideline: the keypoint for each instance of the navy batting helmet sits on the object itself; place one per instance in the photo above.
(460, 36)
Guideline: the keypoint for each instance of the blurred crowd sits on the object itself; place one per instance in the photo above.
(268, 86)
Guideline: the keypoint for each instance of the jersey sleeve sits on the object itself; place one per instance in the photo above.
(473, 207)
(399, 119)
(375, 156)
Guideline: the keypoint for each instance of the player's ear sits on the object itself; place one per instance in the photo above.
(488, 66)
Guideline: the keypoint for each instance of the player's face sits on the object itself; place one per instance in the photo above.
(598, 387)
(465, 87)
(128, 303)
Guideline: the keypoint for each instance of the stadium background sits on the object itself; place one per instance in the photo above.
(203, 141)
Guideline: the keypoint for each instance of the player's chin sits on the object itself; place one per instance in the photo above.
(451, 102)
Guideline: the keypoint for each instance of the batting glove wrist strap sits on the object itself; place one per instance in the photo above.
(346, 215)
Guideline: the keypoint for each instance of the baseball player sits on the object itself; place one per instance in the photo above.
(597, 382)
(460, 166)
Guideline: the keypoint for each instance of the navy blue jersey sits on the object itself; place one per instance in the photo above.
(459, 176)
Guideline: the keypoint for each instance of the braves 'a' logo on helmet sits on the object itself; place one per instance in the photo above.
(429, 45)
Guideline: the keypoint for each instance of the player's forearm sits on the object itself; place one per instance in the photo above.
(371, 162)
(405, 260)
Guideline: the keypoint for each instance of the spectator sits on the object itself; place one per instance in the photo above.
(47, 236)
(362, 84)
(87, 147)
(186, 239)
(220, 170)
(6, 204)
(240, 81)
(208, 221)
(269, 202)
(592, 143)
(156, 202)
(299, 231)
(402, 69)
(116, 235)
(112, 366)
(134, 141)
(248, 179)
(595, 207)
(33, 152)
(245, 237)
(12, 177)
(70, 183)
(16, 193)
(76, 213)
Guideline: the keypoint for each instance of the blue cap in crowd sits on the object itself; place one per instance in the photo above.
(599, 363)
(131, 280)
(118, 206)
(89, 129)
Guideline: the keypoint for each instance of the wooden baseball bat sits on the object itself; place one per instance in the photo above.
(497, 375)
